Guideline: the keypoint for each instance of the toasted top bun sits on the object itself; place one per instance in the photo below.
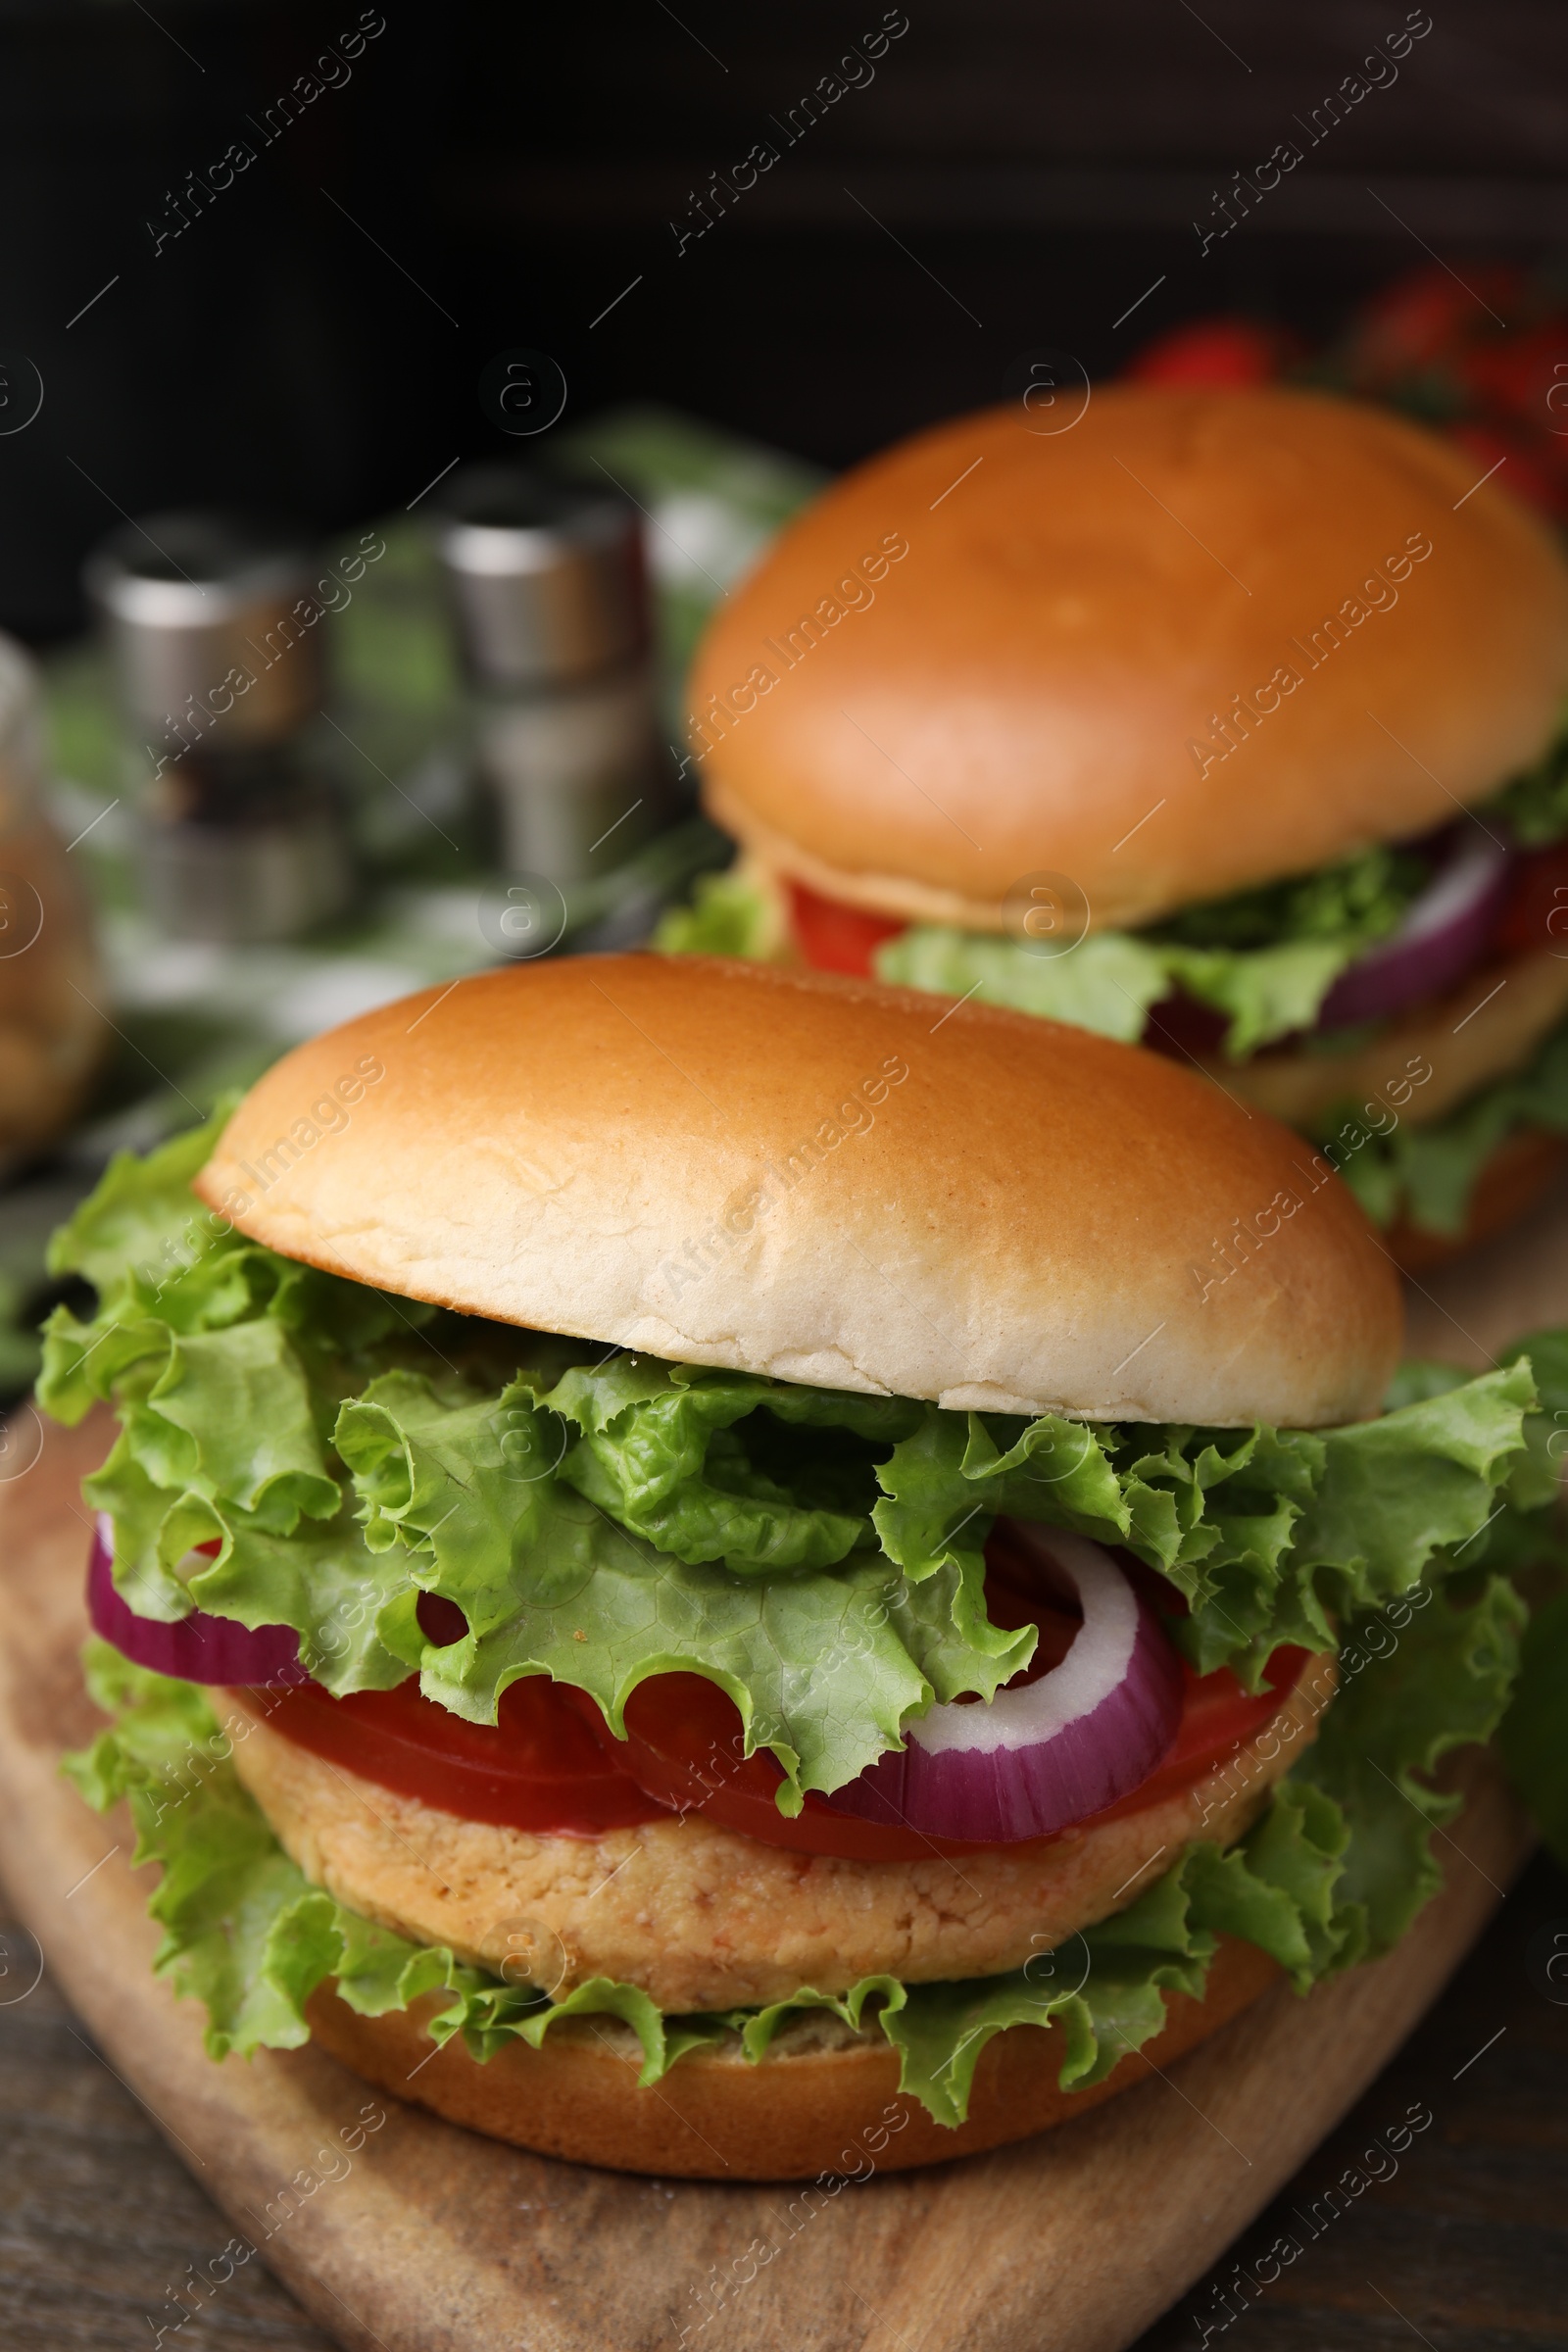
(996, 652)
(827, 1181)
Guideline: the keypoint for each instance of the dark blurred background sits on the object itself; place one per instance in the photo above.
(1002, 176)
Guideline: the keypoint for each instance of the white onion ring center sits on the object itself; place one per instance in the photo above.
(1097, 1662)
(1470, 872)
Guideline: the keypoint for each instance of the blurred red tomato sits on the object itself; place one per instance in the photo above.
(1484, 359)
(1429, 315)
(1214, 351)
(835, 938)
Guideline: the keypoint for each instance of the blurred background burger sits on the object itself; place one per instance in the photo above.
(1225, 718)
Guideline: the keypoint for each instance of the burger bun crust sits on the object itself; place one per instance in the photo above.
(1197, 640)
(827, 1182)
(824, 2103)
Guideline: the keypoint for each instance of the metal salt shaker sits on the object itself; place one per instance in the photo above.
(548, 580)
(214, 625)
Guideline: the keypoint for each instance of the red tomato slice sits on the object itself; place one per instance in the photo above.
(551, 1765)
(540, 1767)
(1218, 1716)
(835, 938)
(684, 1734)
(685, 1742)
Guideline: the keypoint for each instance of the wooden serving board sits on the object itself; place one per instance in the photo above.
(399, 2231)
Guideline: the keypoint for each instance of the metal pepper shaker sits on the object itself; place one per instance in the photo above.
(214, 621)
(549, 586)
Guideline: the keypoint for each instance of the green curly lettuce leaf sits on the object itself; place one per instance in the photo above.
(242, 1930)
(1360, 899)
(1106, 982)
(142, 1225)
(166, 1268)
(825, 1668)
(1444, 1681)
(1265, 958)
(1532, 1739)
(660, 1451)
(1268, 1534)
(1535, 804)
(1522, 1538)
(1111, 979)
(1265, 993)
(729, 914)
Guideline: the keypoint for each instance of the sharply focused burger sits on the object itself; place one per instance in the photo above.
(1227, 720)
(698, 1572)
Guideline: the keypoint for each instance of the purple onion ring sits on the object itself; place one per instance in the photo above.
(198, 1649)
(1445, 931)
(1049, 1753)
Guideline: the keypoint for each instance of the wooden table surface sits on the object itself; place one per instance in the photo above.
(1464, 2246)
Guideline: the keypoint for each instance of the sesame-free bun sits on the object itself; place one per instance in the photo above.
(823, 2100)
(1032, 684)
(823, 1180)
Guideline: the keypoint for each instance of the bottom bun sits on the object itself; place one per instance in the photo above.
(824, 2100)
(1513, 1180)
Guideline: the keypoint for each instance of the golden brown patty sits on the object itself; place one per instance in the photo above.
(706, 1918)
